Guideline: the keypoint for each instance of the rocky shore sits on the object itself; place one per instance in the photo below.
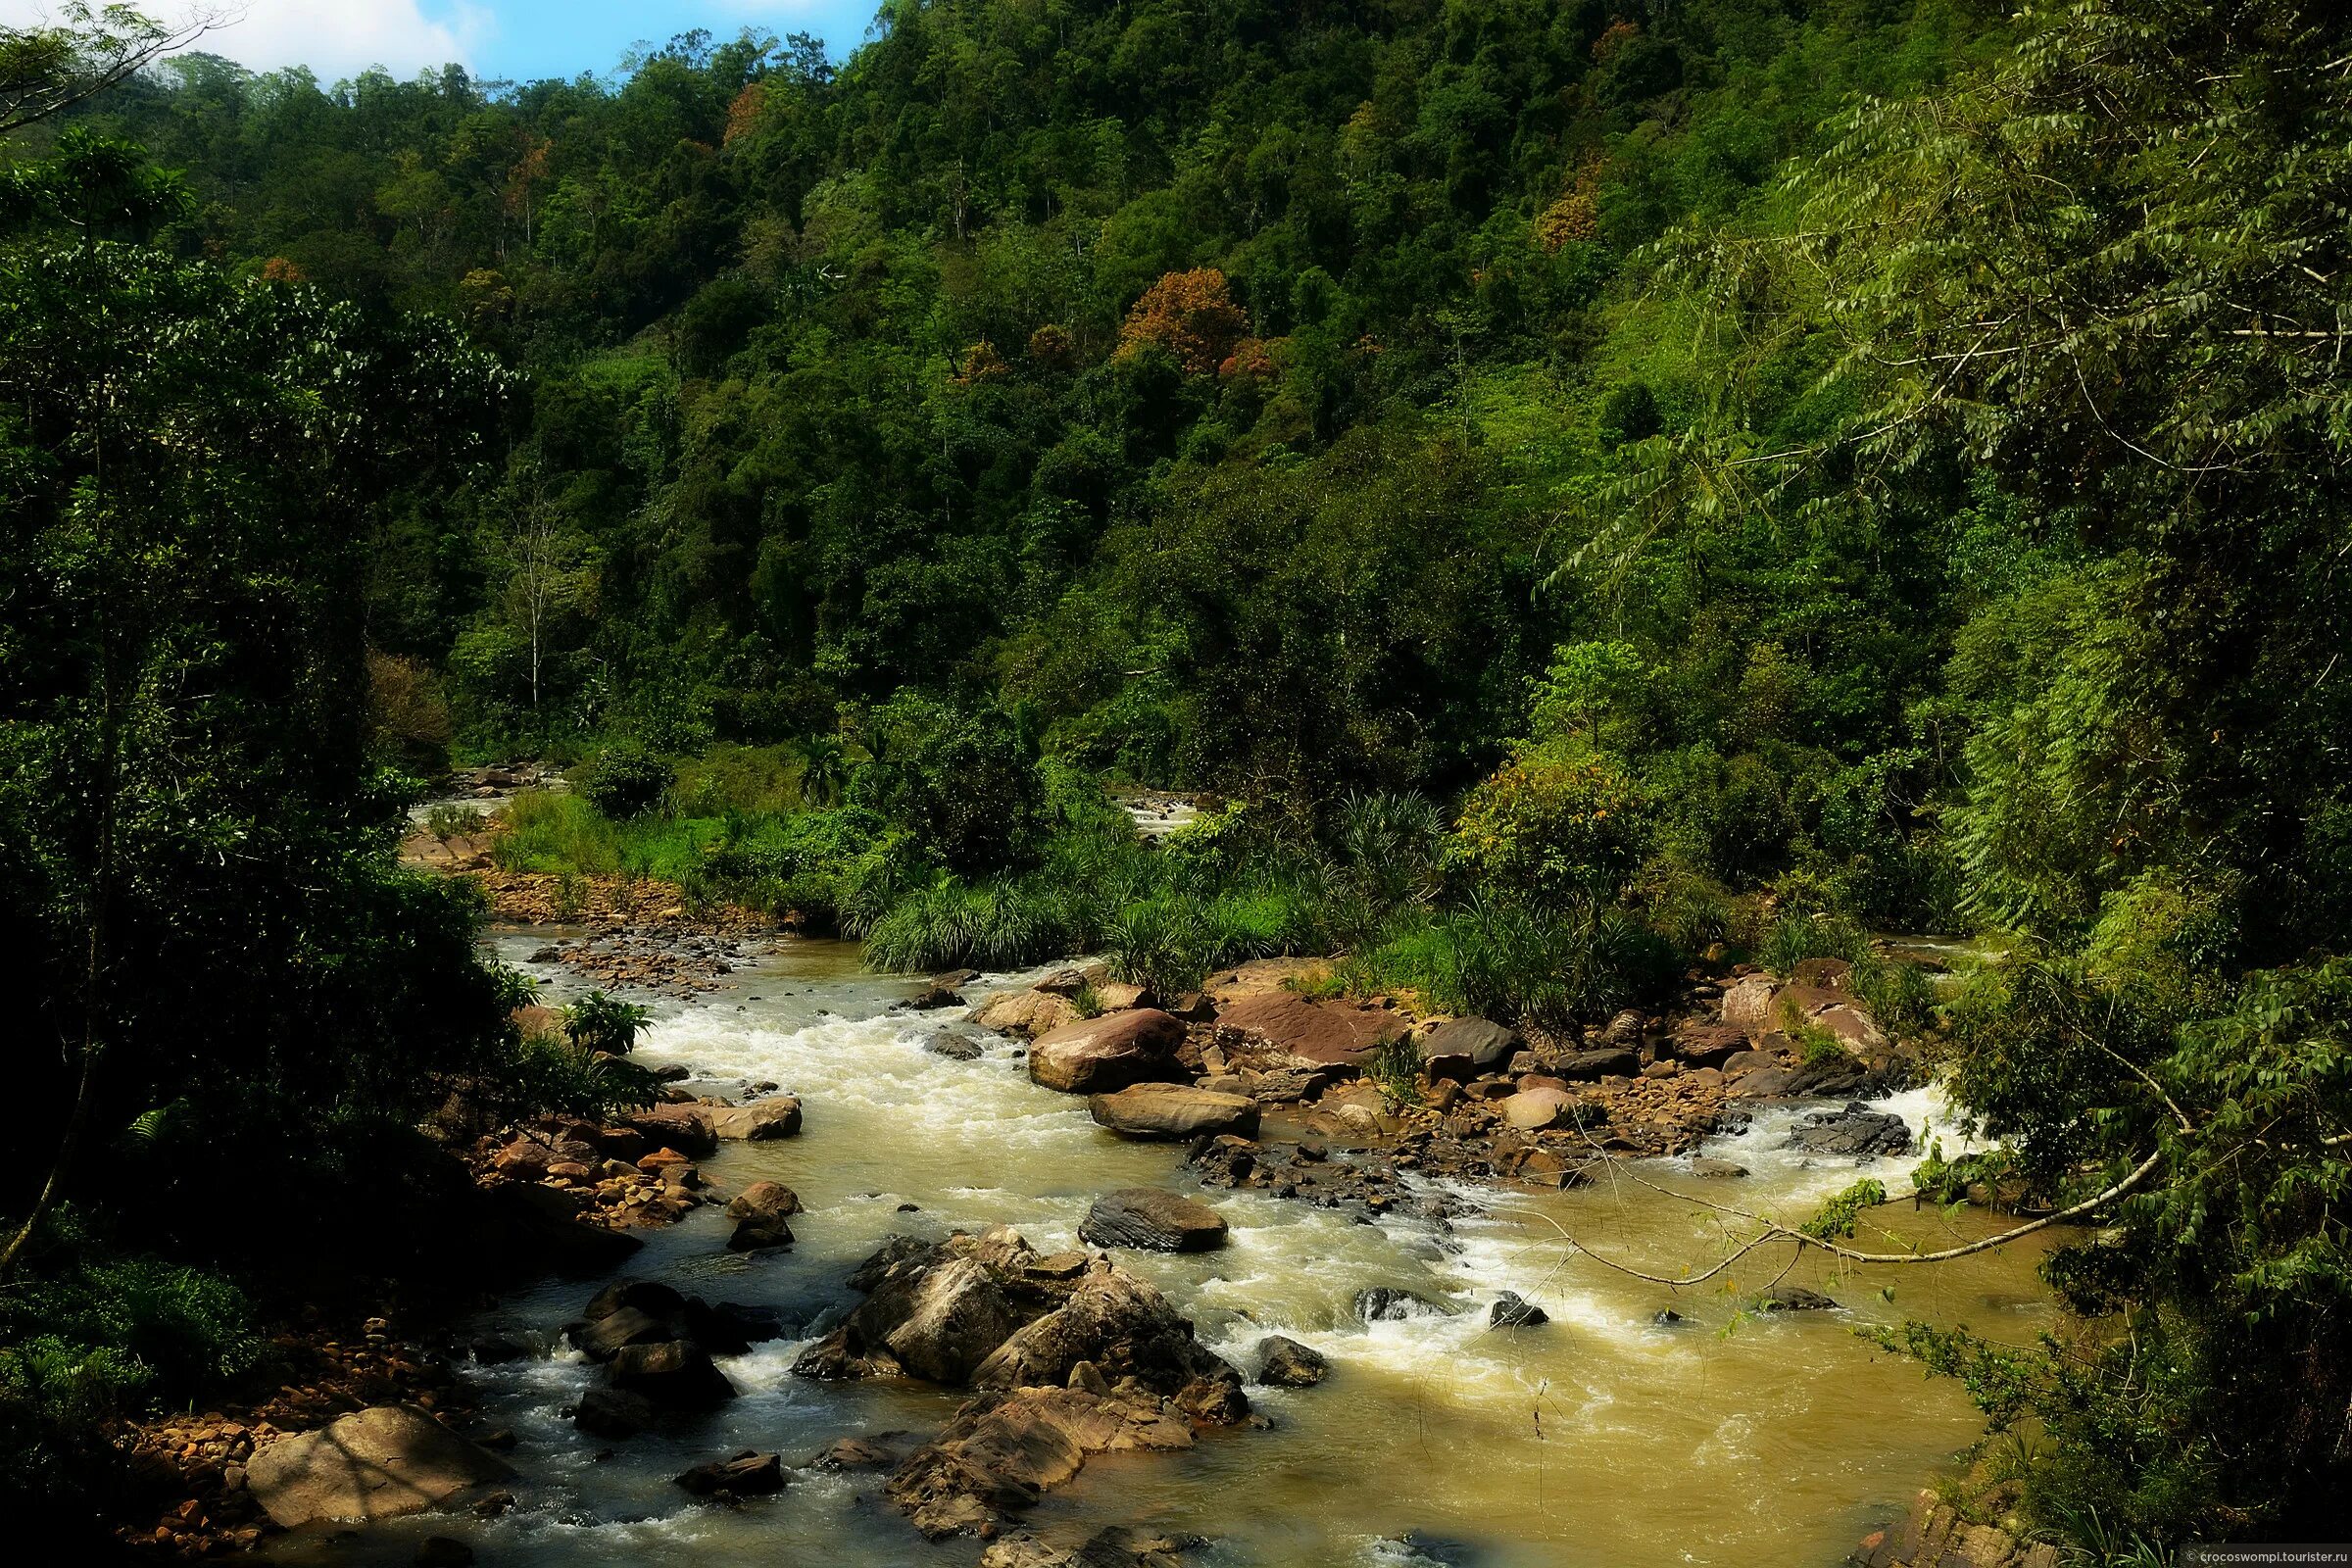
(1367, 1093)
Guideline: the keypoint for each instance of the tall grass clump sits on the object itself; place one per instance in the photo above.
(1553, 965)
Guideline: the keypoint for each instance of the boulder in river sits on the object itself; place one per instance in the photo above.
(1174, 1111)
(1857, 1131)
(1100, 1056)
(612, 1413)
(874, 1450)
(1511, 1311)
(746, 1474)
(1153, 1219)
(1025, 1013)
(1603, 1062)
(956, 1314)
(1285, 1363)
(777, 1116)
(1385, 1304)
(768, 1201)
(1794, 1299)
(1462, 1048)
(1003, 1450)
(674, 1374)
(377, 1463)
(684, 1128)
(1224, 1161)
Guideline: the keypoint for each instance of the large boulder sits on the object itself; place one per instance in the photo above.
(1708, 1045)
(688, 1129)
(377, 1463)
(527, 1228)
(606, 1336)
(1174, 1111)
(1856, 1131)
(1285, 1363)
(777, 1116)
(1464, 1048)
(1154, 1220)
(1533, 1109)
(1284, 1023)
(747, 1473)
(614, 1413)
(1003, 1450)
(1747, 1004)
(672, 1375)
(1121, 1326)
(956, 1317)
(897, 1283)
(1601, 1062)
(1100, 1056)
(1025, 1013)
(764, 1201)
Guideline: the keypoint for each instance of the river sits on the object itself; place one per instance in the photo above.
(1600, 1439)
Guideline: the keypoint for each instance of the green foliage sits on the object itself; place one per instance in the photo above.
(623, 780)
(1558, 821)
(1556, 965)
(1835, 1219)
(600, 1023)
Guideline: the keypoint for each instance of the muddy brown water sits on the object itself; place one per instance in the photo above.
(1600, 1439)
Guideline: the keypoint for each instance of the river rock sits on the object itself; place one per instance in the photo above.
(1003, 1450)
(612, 1413)
(933, 997)
(1100, 1056)
(1465, 1047)
(777, 1116)
(895, 1281)
(955, 1317)
(1224, 1161)
(1154, 1220)
(1284, 1023)
(767, 1201)
(748, 1473)
(1716, 1169)
(954, 1045)
(1174, 1111)
(1857, 1131)
(758, 1236)
(1603, 1062)
(1125, 1328)
(1708, 1045)
(603, 1338)
(1115, 1547)
(1533, 1109)
(1747, 1004)
(674, 1374)
(650, 1297)
(730, 1328)
(1285, 1363)
(1384, 1303)
(685, 1128)
(377, 1463)
(1025, 1013)
(1794, 1299)
(1512, 1310)
(875, 1451)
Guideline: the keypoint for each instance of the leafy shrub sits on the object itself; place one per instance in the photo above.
(600, 1023)
(623, 780)
(1555, 966)
(1558, 821)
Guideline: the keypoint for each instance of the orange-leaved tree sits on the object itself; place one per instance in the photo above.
(1191, 314)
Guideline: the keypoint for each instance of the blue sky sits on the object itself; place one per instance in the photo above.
(515, 39)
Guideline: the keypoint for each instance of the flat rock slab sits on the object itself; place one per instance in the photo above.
(1100, 1056)
(1329, 1033)
(1533, 1109)
(777, 1116)
(377, 1463)
(1025, 1013)
(1465, 1047)
(1154, 1220)
(1177, 1112)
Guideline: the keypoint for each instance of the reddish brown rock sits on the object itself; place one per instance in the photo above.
(1100, 1056)
(1285, 1023)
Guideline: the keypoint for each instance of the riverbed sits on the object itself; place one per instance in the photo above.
(1604, 1438)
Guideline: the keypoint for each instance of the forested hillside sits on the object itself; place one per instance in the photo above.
(1588, 481)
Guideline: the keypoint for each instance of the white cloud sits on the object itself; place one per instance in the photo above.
(335, 39)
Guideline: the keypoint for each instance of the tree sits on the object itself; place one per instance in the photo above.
(51, 68)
